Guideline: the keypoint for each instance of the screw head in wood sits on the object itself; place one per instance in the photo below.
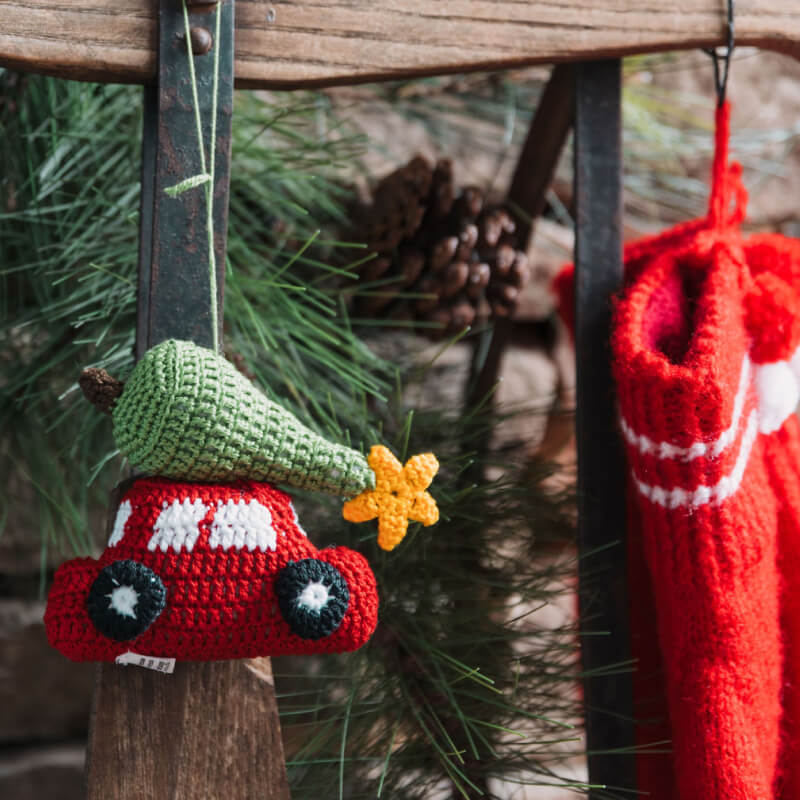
(201, 39)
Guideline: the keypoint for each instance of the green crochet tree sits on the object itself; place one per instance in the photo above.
(187, 413)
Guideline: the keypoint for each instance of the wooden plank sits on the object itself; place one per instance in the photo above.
(605, 640)
(210, 729)
(294, 43)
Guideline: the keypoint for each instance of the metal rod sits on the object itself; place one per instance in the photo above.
(146, 207)
(173, 244)
(605, 639)
(541, 151)
(527, 196)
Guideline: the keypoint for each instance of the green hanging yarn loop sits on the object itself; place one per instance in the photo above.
(189, 183)
(208, 176)
(187, 413)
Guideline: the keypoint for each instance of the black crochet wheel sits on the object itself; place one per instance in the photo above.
(313, 597)
(125, 600)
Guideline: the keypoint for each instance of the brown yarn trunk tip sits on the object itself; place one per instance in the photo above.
(100, 389)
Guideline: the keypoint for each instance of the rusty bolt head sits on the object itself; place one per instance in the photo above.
(202, 40)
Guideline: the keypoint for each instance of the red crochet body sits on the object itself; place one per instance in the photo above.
(705, 356)
(218, 551)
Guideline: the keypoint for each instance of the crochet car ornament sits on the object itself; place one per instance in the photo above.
(207, 560)
(202, 572)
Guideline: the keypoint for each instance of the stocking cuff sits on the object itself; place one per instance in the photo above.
(688, 399)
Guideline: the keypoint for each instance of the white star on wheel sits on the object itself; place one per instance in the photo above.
(123, 600)
(314, 597)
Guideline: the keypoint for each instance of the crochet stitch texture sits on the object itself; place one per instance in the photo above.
(187, 413)
(706, 356)
(203, 572)
(399, 495)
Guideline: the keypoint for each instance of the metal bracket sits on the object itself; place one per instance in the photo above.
(601, 460)
(173, 248)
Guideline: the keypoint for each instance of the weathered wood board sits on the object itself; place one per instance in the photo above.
(208, 731)
(295, 43)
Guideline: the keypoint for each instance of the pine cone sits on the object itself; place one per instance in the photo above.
(509, 266)
(443, 259)
(398, 206)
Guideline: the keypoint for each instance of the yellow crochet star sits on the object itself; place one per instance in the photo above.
(399, 495)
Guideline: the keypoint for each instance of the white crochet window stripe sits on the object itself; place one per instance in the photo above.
(297, 521)
(123, 515)
(703, 495)
(243, 524)
(178, 525)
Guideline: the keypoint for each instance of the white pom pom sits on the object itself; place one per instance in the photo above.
(778, 394)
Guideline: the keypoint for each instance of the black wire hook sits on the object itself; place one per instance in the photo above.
(721, 75)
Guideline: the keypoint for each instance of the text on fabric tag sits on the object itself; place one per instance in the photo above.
(148, 662)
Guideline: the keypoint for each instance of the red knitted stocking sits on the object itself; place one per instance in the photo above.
(774, 312)
(691, 419)
(705, 349)
(784, 466)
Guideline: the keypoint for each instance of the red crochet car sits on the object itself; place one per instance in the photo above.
(201, 572)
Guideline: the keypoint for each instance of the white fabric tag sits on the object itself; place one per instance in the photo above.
(148, 662)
